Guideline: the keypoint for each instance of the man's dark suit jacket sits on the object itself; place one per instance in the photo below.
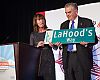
(84, 54)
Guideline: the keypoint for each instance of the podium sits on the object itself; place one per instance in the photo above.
(26, 61)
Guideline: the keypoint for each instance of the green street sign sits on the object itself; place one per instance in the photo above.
(71, 35)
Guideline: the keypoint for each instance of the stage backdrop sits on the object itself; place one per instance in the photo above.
(56, 17)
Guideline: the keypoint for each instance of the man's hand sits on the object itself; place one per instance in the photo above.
(84, 43)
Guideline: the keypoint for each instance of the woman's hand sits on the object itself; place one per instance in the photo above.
(57, 44)
(40, 44)
(50, 44)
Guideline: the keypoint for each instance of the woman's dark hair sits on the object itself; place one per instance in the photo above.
(35, 26)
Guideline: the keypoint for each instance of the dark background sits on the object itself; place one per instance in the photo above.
(16, 16)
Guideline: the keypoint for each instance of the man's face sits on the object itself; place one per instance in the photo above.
(71, 12)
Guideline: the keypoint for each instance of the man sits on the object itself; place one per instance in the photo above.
(77, 62)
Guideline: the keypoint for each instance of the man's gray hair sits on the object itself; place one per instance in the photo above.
(72, 4)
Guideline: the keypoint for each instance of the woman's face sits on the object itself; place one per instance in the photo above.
(41, 22)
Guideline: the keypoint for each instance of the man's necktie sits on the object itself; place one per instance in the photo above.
(70, 46)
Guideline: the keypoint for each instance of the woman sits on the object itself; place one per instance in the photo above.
(46, 69)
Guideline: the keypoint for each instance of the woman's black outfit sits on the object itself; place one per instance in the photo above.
(46, 67)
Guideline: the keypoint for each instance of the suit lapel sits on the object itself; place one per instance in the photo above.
(80, 22)
(67, 24)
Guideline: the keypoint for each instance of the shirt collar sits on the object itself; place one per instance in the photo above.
(75, 20)
(75, 23)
